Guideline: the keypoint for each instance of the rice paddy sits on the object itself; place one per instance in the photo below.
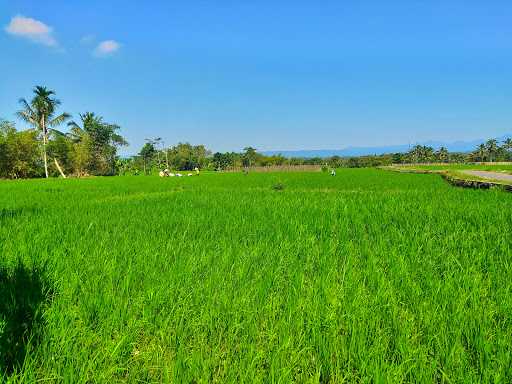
(369, 276)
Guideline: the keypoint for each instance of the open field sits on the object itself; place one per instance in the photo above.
(369, 276)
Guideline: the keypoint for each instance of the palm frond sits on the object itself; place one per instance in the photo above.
(57, 132)
(59, 119)
(27, 117)
(73, 124)
(119, 140)
(26, 106)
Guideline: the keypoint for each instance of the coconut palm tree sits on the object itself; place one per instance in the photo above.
(480, 152)
(507, 144)
(443, 155)
(40, 114)
(492, 149)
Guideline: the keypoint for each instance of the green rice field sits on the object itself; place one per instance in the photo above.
(367, 277)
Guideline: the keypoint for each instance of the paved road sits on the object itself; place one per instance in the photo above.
(490, 175)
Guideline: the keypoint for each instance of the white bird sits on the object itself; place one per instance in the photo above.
(189, 174)
(179, 174)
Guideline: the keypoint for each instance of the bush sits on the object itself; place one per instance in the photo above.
(278, 186)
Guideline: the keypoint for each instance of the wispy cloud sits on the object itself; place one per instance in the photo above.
(87, 39)
(32, 29)
(107, 48)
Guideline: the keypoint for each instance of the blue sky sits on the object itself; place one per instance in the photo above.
(271, 74)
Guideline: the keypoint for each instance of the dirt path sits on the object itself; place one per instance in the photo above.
(490, 175)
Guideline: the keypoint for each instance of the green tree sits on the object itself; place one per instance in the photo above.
(249, 156)
(19, 152)
(442, 155)
(481, 152)
(421, 154)
(40, 114)
(491, 147)
(185, 156)
(147, 153)
(507, 147)
(60, 147)
(97, 143)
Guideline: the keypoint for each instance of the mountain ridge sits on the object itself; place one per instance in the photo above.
(353, 151)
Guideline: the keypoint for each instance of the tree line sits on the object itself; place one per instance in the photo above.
(490, 151)
(185, 156)
(88, 148)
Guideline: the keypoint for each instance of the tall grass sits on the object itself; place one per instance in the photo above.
(369, 276)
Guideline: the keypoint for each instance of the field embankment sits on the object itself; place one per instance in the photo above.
(478, 175)
(278, 168)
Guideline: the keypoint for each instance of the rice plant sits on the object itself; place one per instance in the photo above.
(369, 276)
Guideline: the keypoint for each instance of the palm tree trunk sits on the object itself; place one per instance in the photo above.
(44, 148)
(44, 158)
(59, 168)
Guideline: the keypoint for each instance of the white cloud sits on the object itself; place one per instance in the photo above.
(107, 48)
(31, 29)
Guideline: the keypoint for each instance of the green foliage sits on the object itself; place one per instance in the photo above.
(84, 150)
(20, 155)
(186, 157)
(96, 144)
(249, 157)
(279, 186)
(368, 276)
(147, 153)
(40, 113)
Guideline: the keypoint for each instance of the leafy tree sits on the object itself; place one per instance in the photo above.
(61, 149)
(19, 152)
(147, 153)
(185, 156)
(249, 157)
(6, 128)
(397, 158)
(353, 162)
(96, 143)
(40, 114)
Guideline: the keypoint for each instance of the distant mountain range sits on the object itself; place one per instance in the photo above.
(456, 146)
